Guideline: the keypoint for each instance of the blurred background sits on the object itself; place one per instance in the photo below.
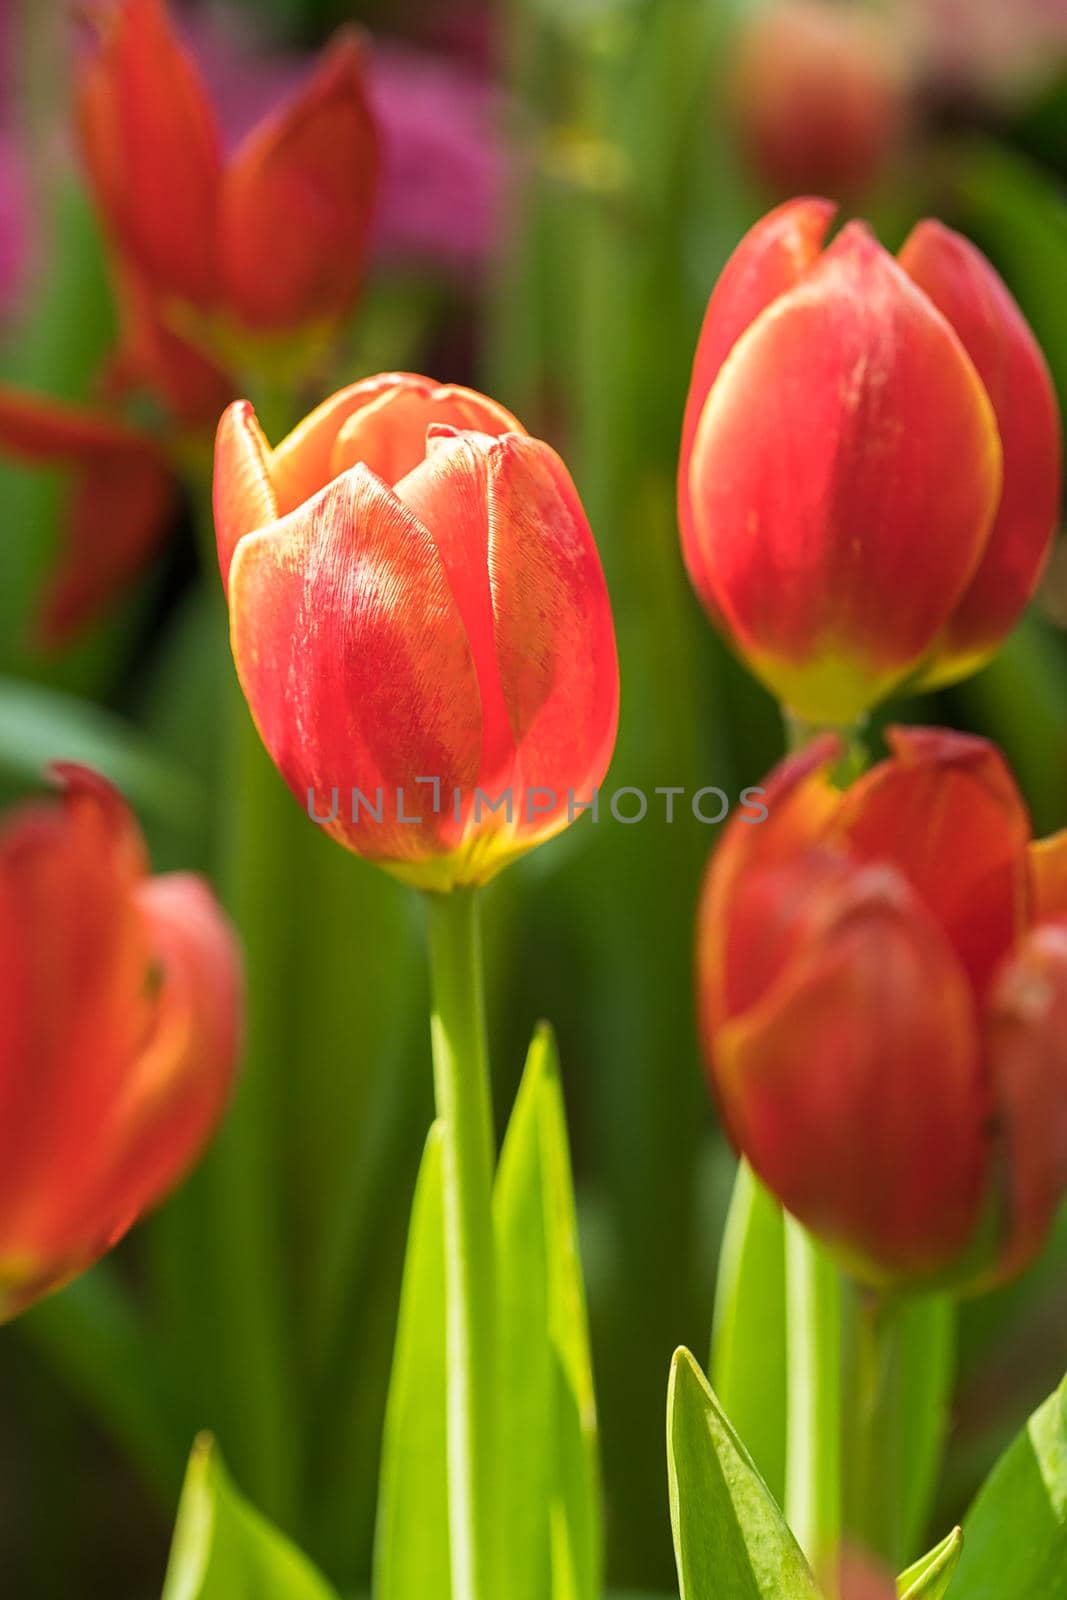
(563, 180)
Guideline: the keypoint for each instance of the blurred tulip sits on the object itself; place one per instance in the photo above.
(418, 613)
(883, 1000)
(870, 464)
(985, 50)
(269, 241)
(819, 93)
(122, 497)
(119, 1008)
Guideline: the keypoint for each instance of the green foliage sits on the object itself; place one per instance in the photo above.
(224, 1550)
(748, 1359)
(411, 1551)
(1015, 1545)
(731, 1541)
(551, 1510)
(40, 725)
(930, 1577)
(549, 1485)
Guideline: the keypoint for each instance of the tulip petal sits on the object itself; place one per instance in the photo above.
(73, 956)
(946, 812)
(970, 294)
(179, 1084)
(771, 259)
(1048, 872)
(524, 571)
(152, 149)
(353, 657)
(122, 497)
(1027, 1050)
(854, 1090)
(386, 418)
(800, 801)
(298, 198)
(845, 424)
(243, 495)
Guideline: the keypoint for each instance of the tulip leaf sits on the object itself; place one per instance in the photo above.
(223, 1549)
(411, 1547)
(748, 1347)
(1015, 1544)
(551, 1496)
(40, 725)
(930, 1577)
(731, 1541)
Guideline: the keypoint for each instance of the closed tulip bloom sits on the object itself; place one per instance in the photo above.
(870, 465)
(819, 95)
(883, 1000)
(418, 614)
(119, 1013)
(270, 239)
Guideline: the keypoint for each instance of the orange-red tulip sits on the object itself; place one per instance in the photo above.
(271, 240)
(819, 92)
(122, 496)
(870, 466)
(119, 1006)
(418, 614)
(883, 998)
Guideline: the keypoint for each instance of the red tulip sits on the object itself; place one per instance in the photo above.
(418, 616)
(870, 465)
(122, 497)
(883, 998)
(119, 1003)
(819, 96)
(271, 240)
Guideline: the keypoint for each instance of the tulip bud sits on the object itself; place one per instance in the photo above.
(119, 1005)
(819, 96)
(269, 241)
(883, 1000)
(870, 466)
(420, 624)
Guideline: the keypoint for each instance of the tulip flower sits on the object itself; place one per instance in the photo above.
(269, 241)
(119, 1002)
(420, 624)
(883, 1000)
(819, 96)
(122, 497)
(870, 464)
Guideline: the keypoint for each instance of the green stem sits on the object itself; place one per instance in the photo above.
(874, 1430)
(461, 1087)
(813, 1466)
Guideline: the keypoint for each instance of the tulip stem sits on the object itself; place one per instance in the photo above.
(813, 1461)
(462, 1092)
(874, 1420)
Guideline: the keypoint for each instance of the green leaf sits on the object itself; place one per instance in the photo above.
(550, 1489)
(1016, 1532)
(748, 1346)
(411, 1547)
(223, 1549)
(930, 1577)
(731, 1542)
(39, 726)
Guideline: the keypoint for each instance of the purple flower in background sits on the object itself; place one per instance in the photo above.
(14, 198)
(442, 158)
(443, 166)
